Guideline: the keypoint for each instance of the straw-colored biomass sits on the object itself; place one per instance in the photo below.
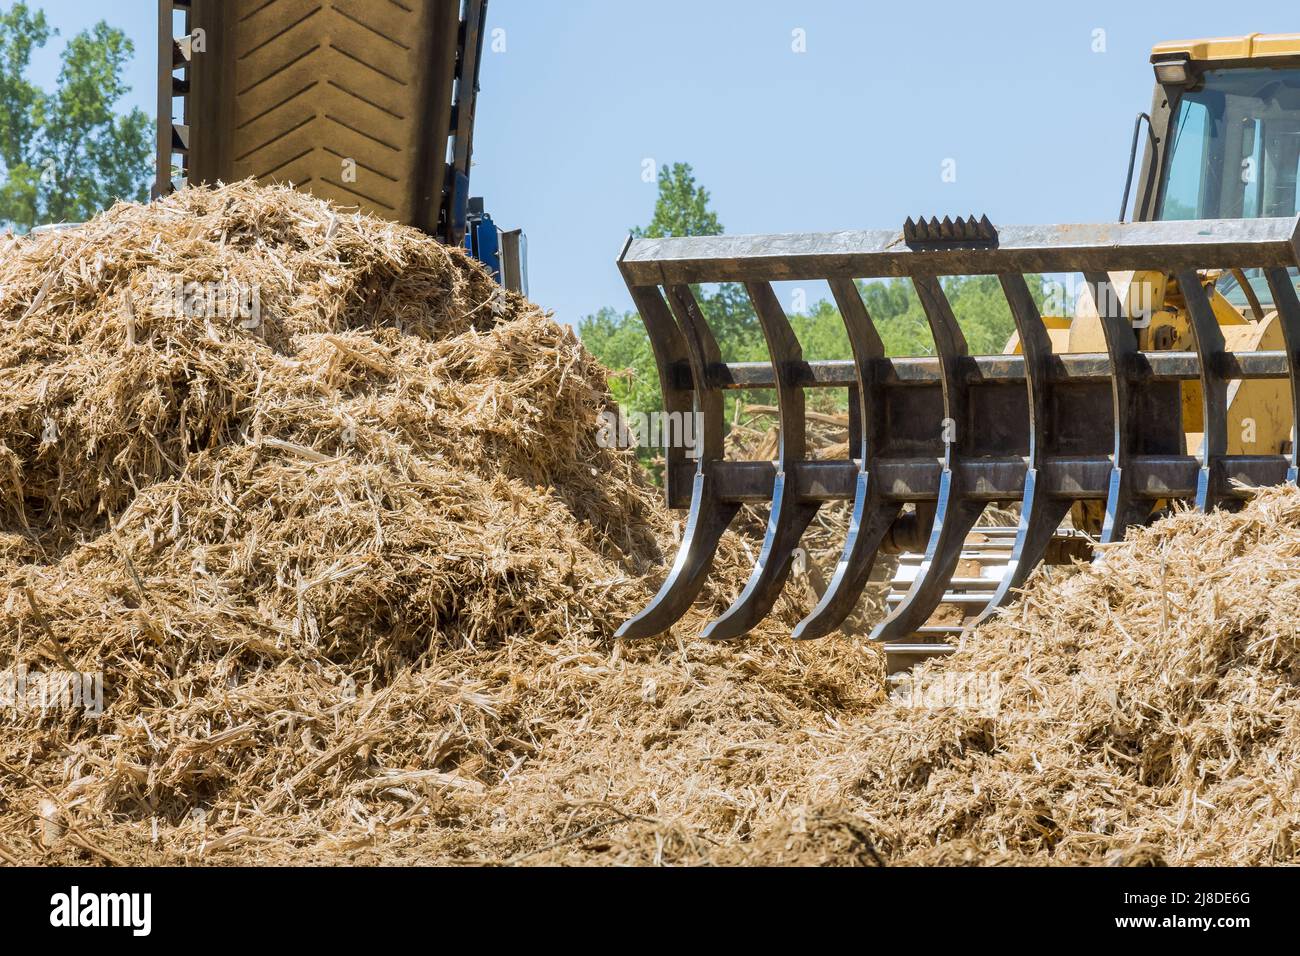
(349, 568)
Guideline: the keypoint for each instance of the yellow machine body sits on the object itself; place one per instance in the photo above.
(1259, 412)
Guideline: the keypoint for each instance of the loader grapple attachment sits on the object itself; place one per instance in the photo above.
(952, 432)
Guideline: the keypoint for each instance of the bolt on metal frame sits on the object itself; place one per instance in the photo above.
(1045, 429)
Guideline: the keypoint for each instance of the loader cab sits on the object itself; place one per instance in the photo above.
(1235, 147)
(1225, 135)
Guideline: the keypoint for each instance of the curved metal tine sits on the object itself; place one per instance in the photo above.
(872, 516)
(702, 354)
(953, 521)
(1287, 303)
(790, 514)
(707, 522)
(1122, 507)
(1040, 514)
(709, 518)
(670, 352)
(956, 514)
(1211, 350)
(1040, 518)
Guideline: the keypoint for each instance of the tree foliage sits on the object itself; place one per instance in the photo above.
(681, 208)
(618, 339)
(67, 154)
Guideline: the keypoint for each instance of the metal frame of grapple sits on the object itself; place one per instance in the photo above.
(1042, 428)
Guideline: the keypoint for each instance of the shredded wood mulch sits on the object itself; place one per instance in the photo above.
(349, 570)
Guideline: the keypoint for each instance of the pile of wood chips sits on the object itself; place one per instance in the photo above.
(347, 566)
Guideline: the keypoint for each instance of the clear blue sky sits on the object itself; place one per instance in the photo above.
(850, 134)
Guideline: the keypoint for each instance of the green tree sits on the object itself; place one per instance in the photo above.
(618, 339)
(977, 301)
(682, 208)
(22, 111)
(67, 154)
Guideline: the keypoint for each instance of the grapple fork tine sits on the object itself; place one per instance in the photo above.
(709, 517)
(670, 351)
(872, 517)
(1040, 514)
(790, 515)
(955, 514)
(702, 355)
(790, 518)
(708, 521)
(953, 521)
(1211, 351)
(1123, 508)
(1287, 303)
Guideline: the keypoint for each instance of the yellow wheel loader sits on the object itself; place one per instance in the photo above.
(1175, 378)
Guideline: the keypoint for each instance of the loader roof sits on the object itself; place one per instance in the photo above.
(1253, 46)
